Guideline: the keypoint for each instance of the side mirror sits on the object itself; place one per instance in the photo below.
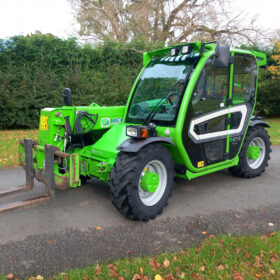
(67, 97)
(222, 57)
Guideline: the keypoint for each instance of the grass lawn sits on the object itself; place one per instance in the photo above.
(223, 257)
(274, 130)
(9, 145)
(9, 141)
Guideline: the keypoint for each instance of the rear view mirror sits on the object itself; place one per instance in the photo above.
(222, 57)
(67, 97)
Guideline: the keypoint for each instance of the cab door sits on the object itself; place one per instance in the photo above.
(205, 131)
(242, 95)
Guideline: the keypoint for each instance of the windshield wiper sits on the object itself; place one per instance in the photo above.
(154, 111)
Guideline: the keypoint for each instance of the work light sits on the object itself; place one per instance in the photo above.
(174, 51)
(186, 49)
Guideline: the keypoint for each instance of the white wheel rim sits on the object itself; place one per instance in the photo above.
(152, 198)
(254, 164)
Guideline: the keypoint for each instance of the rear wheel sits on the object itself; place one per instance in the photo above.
(141, 182)
(254, 155)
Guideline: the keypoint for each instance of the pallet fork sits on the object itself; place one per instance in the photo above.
(29, 185)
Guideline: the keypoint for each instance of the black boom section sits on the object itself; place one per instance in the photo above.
(133, 145)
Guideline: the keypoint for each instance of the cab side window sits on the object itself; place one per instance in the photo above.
(244, 78)
(211, 90)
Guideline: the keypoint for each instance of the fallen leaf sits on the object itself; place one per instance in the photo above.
(10, 276)
(261, 210)
(183, 275)
(98, 228)
(141, 270)
(166, 263)
(98, 269)
(214, 252)
(221, 267)
(258, 275)
(179, 242)
(204, 232)
(247, 255)
(154, 264)
(196, 275)
(271, 234)
(174, 259)
(51, 242)
(237, 251)
(245, 225)
(121, 278)
(158, 277)
(39, 277)
(128, 252)
(237, 276)
(211, 236)
(137, 277)
(199, 248)
(263, 237)
(201, 217)
(169, 277)
(271, 271)
(271, 224)
(238, 216)
(202, 268)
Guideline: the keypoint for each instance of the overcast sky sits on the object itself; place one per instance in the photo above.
(21, 17)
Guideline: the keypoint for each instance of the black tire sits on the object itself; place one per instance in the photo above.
(243, 168)
(125, 179)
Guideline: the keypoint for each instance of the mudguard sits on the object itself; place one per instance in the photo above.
(256, 120)
(133, 145)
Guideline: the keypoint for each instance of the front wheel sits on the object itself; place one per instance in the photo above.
(141, 182)
(254, 155)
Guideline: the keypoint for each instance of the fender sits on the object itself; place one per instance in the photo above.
(256, 120)
(133, 145)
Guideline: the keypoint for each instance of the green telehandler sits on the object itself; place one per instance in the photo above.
(189, 113)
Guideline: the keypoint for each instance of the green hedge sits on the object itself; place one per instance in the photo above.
(35, 69)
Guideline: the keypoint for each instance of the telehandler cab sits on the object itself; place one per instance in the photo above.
(189, 113)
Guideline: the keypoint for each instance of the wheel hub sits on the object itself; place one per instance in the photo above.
(254, 152)
(150, 181)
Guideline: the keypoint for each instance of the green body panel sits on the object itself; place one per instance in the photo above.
(97, 158)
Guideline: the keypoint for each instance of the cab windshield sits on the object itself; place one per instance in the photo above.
(161, 84)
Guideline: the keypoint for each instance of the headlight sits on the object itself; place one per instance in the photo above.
(132, 131)
(139, 132)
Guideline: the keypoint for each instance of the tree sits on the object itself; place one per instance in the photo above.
(275, 68)
(166, 21)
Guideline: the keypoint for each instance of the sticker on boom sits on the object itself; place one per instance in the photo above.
(200, 164)
(44, 123)
(106, 122)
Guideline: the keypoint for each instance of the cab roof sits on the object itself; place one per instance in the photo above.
(202, 47)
